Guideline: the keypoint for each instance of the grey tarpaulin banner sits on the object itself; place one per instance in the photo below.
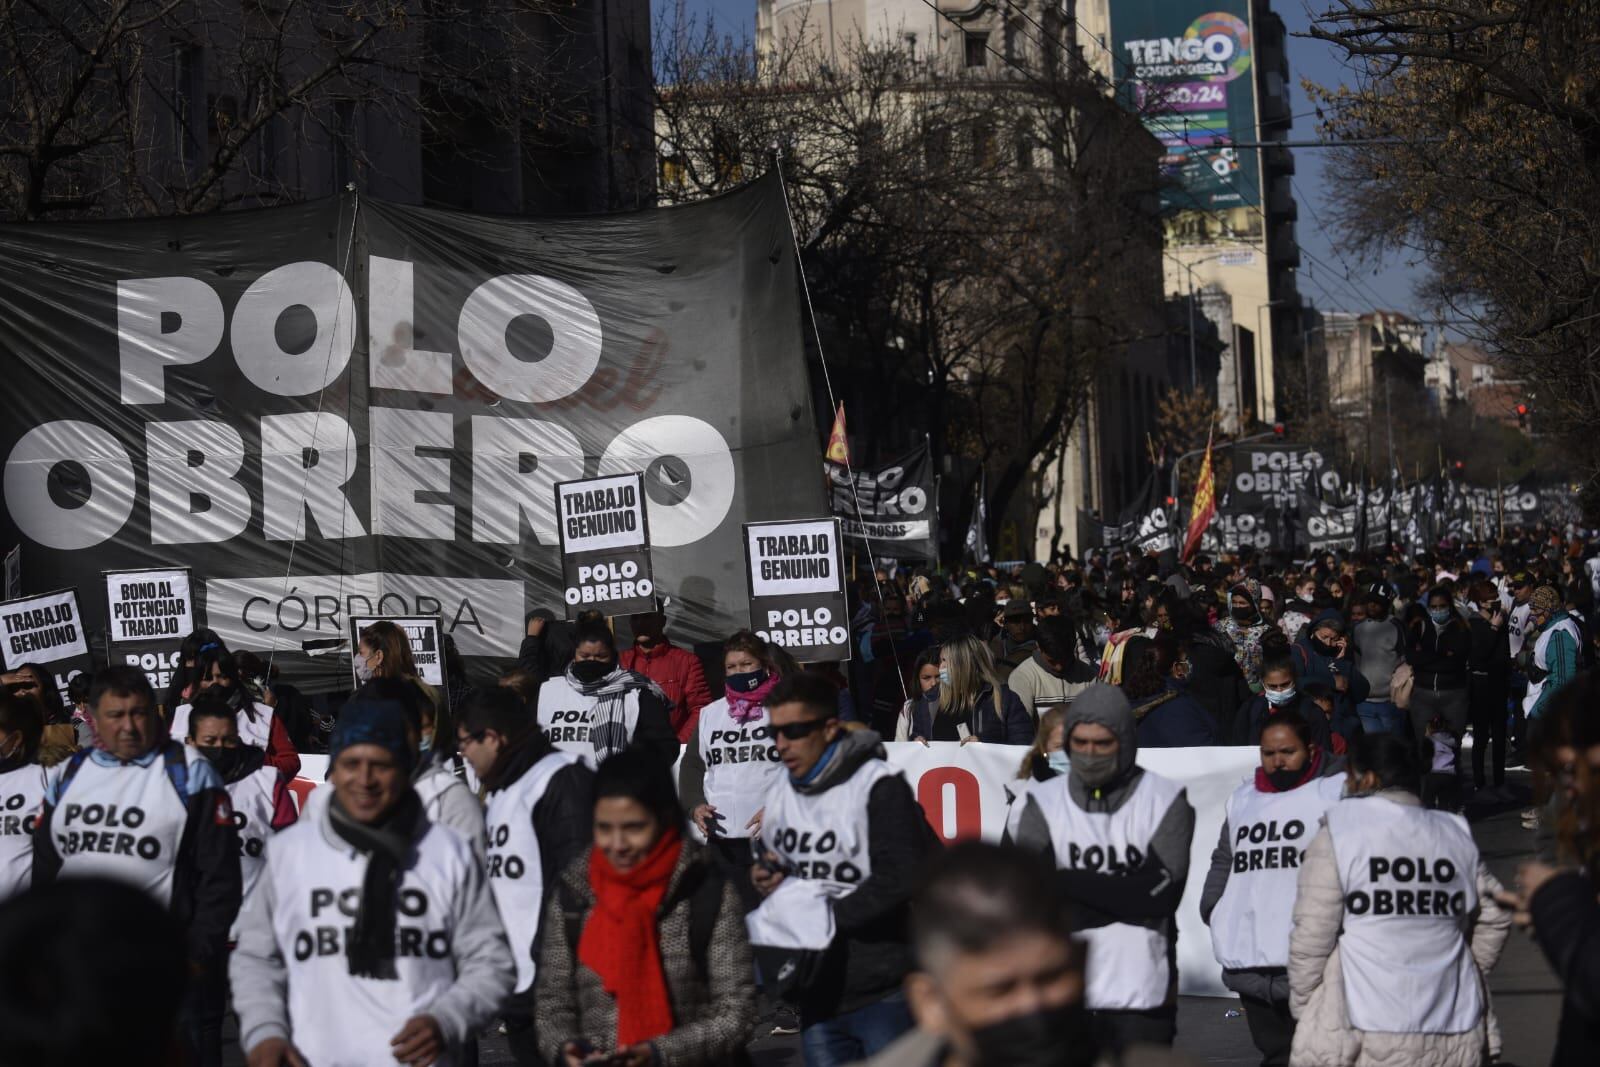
(343, 408)
(891, 507)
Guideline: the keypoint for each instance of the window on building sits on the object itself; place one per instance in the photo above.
(725, 157)
(188, 81)
(936, 148)
(985, 145)
(673, 172)
(977, 54)
(344, 144)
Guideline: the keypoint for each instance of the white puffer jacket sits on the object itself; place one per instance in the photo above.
(1324, 1036)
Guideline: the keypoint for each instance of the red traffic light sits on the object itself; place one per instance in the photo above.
(1279, 429)
(1460, 465)
(1522, 409)
(1172, 501)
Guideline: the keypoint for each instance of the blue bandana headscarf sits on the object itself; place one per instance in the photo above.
(372, 722)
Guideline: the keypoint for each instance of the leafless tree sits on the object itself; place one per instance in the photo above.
(977, 248)
(116, 107)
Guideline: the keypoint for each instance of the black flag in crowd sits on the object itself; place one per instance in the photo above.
(354, 407)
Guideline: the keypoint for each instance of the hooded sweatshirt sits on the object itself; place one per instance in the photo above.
(1147, 895)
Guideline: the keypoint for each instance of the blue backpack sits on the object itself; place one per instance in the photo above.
(172, 756)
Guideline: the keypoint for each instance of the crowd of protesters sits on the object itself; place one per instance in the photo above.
(530, 853)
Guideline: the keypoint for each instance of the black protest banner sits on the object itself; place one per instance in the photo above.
(1278, 475)
(605, 545)
(422, 634)
(358, 408)
(890, 508)
(1145, 525)
(1231, 532)
(796, 581)
(46, 629)
(1323, 527)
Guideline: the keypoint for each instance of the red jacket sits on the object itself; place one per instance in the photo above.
(679, 674)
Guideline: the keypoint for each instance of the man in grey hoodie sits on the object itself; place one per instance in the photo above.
(1119, 837)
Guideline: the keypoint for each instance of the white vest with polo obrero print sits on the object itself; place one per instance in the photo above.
(335, 1018)
(1128, 967)
(1410, 883)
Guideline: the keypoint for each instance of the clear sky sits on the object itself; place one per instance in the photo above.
(1330, 274)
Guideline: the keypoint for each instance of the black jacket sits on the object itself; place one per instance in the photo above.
(1566, 923)
(206, 883)
(1438, 655)
(871, 952)
(1490, 656)
(563, 819)
(1217, 684)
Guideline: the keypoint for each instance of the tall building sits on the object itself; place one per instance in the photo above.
(1210, 79)
(482, 105)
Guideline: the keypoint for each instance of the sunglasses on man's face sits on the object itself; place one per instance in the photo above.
(795, 731)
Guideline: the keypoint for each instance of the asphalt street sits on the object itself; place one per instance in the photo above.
(1527, 997)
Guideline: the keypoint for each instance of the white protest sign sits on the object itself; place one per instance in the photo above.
(793, 558)
(605, 545)
(42, 629)
(422, 634)
(149, 605)
(797, 587)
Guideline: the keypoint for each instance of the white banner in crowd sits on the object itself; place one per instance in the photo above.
(965, 791)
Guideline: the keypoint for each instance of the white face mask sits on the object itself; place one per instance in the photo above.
(364, 673)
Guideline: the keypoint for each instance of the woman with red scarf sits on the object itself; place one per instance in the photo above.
(645, 959)
(728, 768)
(1249, 893)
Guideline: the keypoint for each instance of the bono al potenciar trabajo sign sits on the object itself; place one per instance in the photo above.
(149, 605)
(797, 587)
(605, 545)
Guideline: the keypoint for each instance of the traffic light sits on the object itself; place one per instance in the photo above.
(1460, 466)
(1522, 416)
(1279, 429)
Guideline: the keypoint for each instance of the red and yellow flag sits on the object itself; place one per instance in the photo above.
(1205, 505)
(838, 444)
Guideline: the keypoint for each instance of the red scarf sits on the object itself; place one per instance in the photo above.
(621, 944)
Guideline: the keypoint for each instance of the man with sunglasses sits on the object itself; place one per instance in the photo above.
(841, 817)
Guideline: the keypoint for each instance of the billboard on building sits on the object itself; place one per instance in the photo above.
(1187, 67)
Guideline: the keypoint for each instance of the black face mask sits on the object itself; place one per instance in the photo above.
(590, 671)
(1285, 780)
(225, 760)
(1323, 648)
(1242, 614)
(745, 681)
(1050, 1037)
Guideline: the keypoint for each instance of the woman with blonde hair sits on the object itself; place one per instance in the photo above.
(1048, 756)
(970, 703)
